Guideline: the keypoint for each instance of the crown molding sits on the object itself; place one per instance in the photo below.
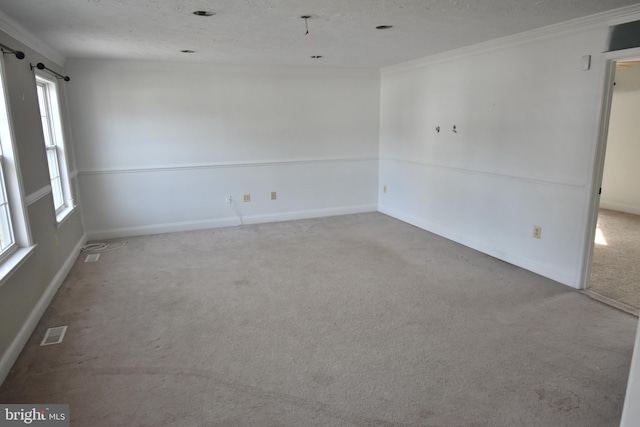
(18, 32)
(592, 22)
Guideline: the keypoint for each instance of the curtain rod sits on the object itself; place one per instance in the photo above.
(18, 53)
(41, 66)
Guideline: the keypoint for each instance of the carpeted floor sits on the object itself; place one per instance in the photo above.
(615, 270)
(358, 320)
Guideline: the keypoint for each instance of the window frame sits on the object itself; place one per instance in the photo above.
(5, 206)
(55, 144)
(22, 244)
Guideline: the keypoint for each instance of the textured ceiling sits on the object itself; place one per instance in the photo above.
(271, 31)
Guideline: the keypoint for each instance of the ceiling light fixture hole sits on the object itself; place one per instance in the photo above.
(203, 13)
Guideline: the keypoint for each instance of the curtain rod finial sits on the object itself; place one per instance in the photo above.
(41, 66)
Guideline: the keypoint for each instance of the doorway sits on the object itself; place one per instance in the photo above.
(614, 276)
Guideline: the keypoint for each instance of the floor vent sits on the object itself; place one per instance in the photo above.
(54, 335)
(92, 258)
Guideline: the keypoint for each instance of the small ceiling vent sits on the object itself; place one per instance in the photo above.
(54, 335)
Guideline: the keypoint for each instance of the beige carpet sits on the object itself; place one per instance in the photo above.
(615, 271)
(357, 320)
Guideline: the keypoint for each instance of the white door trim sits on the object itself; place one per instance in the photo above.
(598, 167)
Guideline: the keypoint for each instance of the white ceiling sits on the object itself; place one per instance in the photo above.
(271, 32)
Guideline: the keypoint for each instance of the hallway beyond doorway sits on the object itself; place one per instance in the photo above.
(615, 271)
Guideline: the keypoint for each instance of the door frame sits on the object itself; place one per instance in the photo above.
(611, 58)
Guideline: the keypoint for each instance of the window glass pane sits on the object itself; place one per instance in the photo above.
(47, 132)
(6, 231)
(54, 175)
(41, 98)
(52, 159)
(3, 194)
(58, 199)
(45, 114)
(6, 234)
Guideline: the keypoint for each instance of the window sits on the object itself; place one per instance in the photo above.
(15, 238)
(54, 144)
(7, 241)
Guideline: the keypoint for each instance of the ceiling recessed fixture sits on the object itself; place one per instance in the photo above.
(187, 51)
(316, 56)
(384, 27)
(204, 13)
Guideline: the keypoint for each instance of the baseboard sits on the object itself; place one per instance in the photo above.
(611, 302)
(316, 213)
(563, 276)
(145, 230)
(620, 207)
(11, 355)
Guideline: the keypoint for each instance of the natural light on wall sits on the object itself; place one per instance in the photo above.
(600, 240)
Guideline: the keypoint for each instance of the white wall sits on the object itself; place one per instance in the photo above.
(621, 177)
(527, 119)
(159, 145)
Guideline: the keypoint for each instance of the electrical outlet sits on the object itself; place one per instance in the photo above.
(227, 198)
(273, 195)
(246, 197)
(384, 189)
(537, 231)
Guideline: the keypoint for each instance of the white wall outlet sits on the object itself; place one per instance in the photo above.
(246, 197)
(274, 196)
(227, 198)
(537, 231)
(384, 189)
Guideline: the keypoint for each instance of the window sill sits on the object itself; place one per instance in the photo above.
(13, 262)
(63, 215)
